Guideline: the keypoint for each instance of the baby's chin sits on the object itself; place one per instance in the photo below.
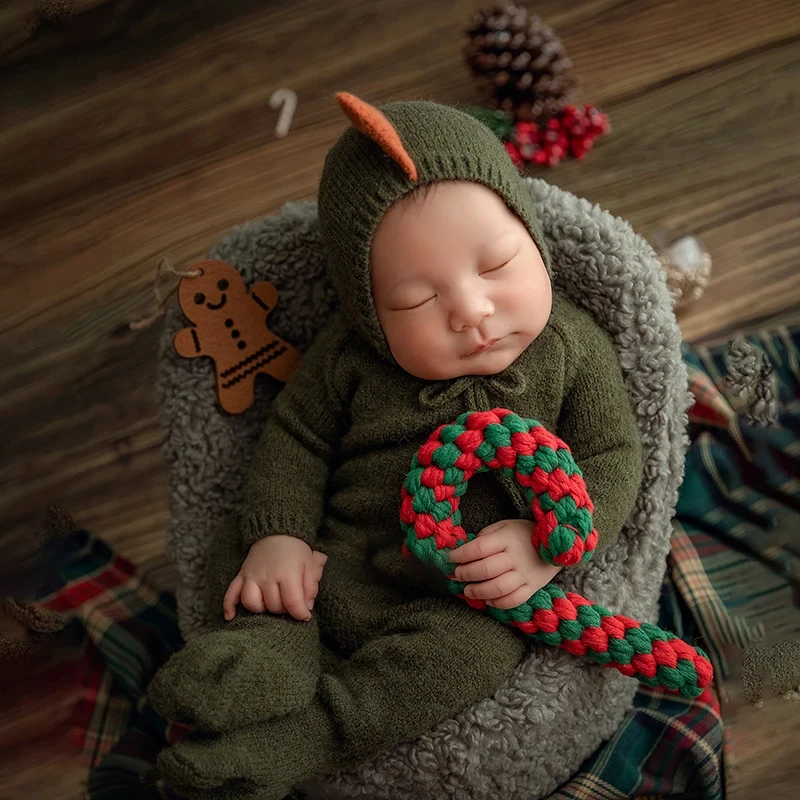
(486, 363)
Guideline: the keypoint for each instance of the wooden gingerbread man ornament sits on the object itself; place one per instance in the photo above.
(230, 326)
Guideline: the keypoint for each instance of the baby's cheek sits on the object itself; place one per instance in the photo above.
(412, 332)
(530, 303)
(419, 348)
(422, 339)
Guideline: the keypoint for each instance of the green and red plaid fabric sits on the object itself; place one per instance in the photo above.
(126, 630)
(733, 573)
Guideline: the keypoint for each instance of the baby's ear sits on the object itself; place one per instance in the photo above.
(373, 123)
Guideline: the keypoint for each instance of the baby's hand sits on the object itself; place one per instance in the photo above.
(503, 557)
(281, 574)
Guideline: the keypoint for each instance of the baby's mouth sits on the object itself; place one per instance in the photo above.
(485, 346)
(218, 305)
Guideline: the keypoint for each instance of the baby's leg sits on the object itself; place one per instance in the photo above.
(430, 659)
(251, 668)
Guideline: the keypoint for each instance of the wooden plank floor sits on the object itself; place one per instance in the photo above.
(156, 142)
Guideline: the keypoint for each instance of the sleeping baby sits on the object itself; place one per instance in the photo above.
(328, 647)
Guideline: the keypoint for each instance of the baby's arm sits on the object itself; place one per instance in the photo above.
(598, 424)
(285, 491)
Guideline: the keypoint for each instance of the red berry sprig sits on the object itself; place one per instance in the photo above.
(570, 132)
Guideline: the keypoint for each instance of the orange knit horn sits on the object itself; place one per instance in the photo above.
(373, 123)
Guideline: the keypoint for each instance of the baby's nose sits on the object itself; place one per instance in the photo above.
(470, 312)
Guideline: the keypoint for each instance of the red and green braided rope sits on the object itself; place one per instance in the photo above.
(563, 534)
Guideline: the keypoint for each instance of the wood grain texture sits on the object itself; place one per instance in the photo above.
(157, 141)
(29, 28)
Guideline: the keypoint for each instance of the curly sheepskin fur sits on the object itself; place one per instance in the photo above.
(556, 709)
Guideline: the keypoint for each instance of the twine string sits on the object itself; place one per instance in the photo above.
(165, 271)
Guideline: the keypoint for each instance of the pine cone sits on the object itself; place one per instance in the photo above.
(522, 62)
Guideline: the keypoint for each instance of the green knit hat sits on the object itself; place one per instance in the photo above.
(388, 153)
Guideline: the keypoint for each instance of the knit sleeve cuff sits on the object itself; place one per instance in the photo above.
(254, 526)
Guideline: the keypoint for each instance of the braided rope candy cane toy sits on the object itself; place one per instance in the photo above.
(563, 535)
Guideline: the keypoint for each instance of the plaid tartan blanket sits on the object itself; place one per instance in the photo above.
(733, 573)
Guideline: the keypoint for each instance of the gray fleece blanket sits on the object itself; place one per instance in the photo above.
(556, 709)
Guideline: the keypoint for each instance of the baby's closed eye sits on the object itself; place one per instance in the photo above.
(411, 307)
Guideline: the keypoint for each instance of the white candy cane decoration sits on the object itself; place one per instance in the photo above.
(286, 100)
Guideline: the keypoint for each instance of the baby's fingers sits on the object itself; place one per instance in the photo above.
(312, 575)
(232, 597)
(318, 561)
(497, 587)
(293, 599)
(513, 599)
(272, 597)
(252, 598)
(485, 569)
(311, 578)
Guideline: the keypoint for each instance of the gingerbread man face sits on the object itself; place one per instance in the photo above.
(231, 328)
(204, 299)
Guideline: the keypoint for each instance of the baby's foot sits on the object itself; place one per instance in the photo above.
(250, 670)
(259, 762)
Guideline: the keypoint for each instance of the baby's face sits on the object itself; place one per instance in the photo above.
(459, 286)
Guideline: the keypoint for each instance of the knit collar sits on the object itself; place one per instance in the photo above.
(511, 382)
